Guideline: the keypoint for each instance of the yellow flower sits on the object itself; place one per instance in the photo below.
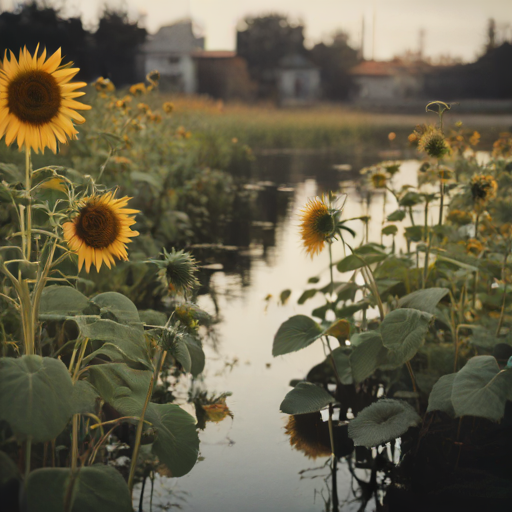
(153, 77)
(143, 107)
(474, 246)
(138, 89)
(104, 85)
(483, 188)
(460, 217)
(100, 231)
(37, 105)
(317, 226)
(379, 180)
(391, 136)
(168, 107)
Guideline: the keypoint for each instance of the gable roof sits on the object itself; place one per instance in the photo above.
(176, 38)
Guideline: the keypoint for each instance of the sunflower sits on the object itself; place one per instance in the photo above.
(101, 230)
(309, 434)
(37, 105)
(483, 189)
(318, 225)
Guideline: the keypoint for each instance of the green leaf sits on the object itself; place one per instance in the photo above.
(457, 263)
(403, 332)
(354, 261)
(197, 356)
(481, 337)
(181, 354)
(84, 397)
(414, 233)
(35, 396)
(390, 230)
(424, 300)
(305, 398)
(124, 388)
(410, 199)
(296, 333)
(440, 398)
(284, 296)
(121, 343)
(313, 280)
(119, 306)
(367, 355)
(342, 363)
(177, 442)
(99, 488)
(382, 422)
(307, 294)
(397, 215)
(150, 179)
(8, 469)
(61, 302)
(152, 317)
(481, 389)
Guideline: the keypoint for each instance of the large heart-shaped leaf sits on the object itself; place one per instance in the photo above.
(403, 332)
(305, 398)
(117, 305)
(177, 442)
(181, 354)
(368, 355)
(355, 261)
(84, 397)
(324, 371)
(424, 300)
(481, 389)
(197, 356)
(124, 388)
(35, 396)
(99, 488)
(121, 342)
(61, 302)
(296, 333)
(440, 398)
(382, 422)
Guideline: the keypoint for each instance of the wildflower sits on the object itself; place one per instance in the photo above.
(178, 271)
(155, 117)
(37, 100)
(474, 139)
(391, 136)
(153, 77)
(121, 160)
(136, 89)
(309, 434)
(460, 217)
(503, 146)
(433, 143)
(483, 188)
(318, 224)
(379, 180)
(168, 107)
(101, 230)
(123, 102)
(143, 107)
(104, 85)
(234, 140)
(474, 246)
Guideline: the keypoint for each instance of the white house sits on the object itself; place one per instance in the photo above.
(298, 80)
(170, 51)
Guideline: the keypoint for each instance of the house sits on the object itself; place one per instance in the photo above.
(298, 80)
(170, 51)
(395, 80)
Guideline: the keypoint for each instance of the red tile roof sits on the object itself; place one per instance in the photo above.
(216, 54)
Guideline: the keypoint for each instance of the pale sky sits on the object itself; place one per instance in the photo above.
(457, 27)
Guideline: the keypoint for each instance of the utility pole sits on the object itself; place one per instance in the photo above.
(361, 48)
(373, 35)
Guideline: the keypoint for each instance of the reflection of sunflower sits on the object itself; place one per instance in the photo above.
(309, 434)
(317, 226)
(100, 231)
(37, 105)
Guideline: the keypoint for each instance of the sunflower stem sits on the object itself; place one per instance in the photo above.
(28, 453)
(441, 204)
(28, 186)
(138, 436)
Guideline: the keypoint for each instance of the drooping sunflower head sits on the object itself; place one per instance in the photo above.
(309, 434)
(379, 180)
(101, 230)
(460, 217)
(483, 188)
(318, 224)
(178, 271)
(37, 100)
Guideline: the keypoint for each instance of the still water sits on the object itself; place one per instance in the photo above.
(246, 462)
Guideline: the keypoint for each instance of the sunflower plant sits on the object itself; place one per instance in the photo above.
(74, 367)
(423, 336)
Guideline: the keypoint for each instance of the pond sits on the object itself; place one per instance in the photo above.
(246, 462)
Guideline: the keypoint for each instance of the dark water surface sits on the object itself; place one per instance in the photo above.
(247, 463)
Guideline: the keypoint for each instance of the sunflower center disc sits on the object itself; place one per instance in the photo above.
(34, 97)
(97, 225)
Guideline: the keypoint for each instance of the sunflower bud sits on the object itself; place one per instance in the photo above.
(178, 271)
(433, 143)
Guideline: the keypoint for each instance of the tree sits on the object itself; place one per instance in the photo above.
(263, 41)
(335, 60)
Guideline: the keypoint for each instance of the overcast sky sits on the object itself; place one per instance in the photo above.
(457, 27)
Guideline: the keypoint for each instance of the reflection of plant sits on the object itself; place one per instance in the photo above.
(309, 434)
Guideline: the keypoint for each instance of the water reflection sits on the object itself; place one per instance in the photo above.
(246, 463)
